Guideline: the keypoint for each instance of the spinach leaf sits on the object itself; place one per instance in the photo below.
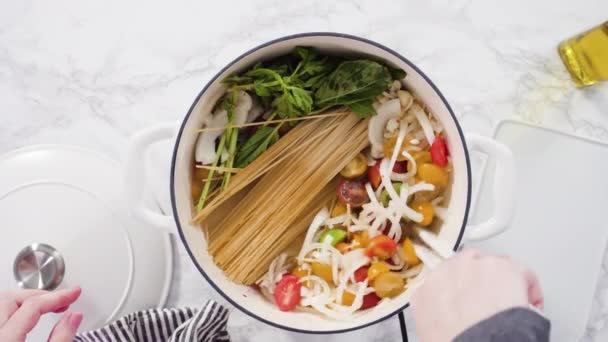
(351, 82)
(256, 145)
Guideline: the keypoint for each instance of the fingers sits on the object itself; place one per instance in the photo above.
(28, 314)
(7, 309)
(66, 328)
(535, 293)
(10, 302)
(532, 285)
(20, 295)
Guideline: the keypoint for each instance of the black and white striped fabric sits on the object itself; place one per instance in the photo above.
(159, 325)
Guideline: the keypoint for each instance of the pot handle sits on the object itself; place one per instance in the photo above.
(504, 188)
(135, 176)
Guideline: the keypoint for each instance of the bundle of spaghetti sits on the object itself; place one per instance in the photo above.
(291, 143)
(278, 208)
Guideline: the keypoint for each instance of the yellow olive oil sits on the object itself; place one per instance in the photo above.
(586, 56)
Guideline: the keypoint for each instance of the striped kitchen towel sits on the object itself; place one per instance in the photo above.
(160, 325)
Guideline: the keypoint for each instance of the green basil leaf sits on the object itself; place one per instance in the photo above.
(363, 109)
(255, 146)
(261, 89)
(351, 82)
(396, 73)
(301, 99)
(283, 105)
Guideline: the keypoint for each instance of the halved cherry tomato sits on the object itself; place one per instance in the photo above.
(343, 247)
(433, 174)
(323, 271)
(361, 239)
(409, 253)
(348, 298)
(439, 152)
(400, 167)
(370, 300)
(420, 157)
(381, 246)
(361, 274)
(389, 284)
(355, 168)
(339, 209)
(427, 211)
(373, 174)
(299, 272)
(376, 269)
(352, 192)
(287, 292)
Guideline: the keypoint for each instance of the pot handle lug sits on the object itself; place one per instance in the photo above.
(504, 179)
(135, 175)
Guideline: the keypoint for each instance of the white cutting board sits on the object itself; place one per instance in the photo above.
(560, 227)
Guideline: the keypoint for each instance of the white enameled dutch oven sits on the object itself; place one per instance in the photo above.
(453, 230)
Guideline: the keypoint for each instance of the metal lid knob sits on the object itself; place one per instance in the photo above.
(39, 266)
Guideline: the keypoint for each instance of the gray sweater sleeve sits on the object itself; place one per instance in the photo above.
(513, 325)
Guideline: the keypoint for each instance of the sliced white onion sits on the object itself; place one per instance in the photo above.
(402, 207)
(316, 223)
(412, 272)
(402, 177)
(377, 124)
(330, 222)
(424, 121)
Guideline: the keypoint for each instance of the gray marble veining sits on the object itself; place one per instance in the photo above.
(92, 73)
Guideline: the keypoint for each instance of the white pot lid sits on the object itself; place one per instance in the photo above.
(67, 223)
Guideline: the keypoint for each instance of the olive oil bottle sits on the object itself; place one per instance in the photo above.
(586, 56)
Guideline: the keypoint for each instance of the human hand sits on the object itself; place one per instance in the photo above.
(21, 310)
(468, 288)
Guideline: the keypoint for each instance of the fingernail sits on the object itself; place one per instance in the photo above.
(74, 320)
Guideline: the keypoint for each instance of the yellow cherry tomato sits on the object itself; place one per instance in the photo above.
(343, 247)
(409, 253)
(355, 168)
(420, 157)
(299, 272)
(376, 269)
(348, 298)
(323, 271)
(433, 174)
(389, 284)
(339, 209)
(389, 146)
(360, 240)
(427, 211)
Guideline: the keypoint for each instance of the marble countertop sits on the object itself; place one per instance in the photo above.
(93, 73)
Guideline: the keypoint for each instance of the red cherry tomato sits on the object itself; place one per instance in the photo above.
(361, 274)
(439, 152)
(352, 192)
(400, 167)
(287, 292)
(381, 246)
(370, 300)
(373, 174)
(387, 229)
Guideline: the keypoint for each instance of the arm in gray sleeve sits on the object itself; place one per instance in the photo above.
(516, 324)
